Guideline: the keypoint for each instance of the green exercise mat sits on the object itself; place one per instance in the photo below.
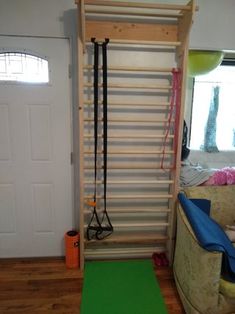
(121, 287)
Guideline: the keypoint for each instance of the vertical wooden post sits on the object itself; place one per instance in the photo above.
(81, 50)
(184, 27)
(82, 23)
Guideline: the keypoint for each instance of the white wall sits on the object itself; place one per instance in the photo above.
(213, 26)
(35, 17)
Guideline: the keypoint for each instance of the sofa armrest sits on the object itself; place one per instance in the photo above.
(197, 271)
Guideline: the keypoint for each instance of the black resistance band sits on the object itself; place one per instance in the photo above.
(100, 228)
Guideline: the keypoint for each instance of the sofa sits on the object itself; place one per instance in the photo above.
(197, 272)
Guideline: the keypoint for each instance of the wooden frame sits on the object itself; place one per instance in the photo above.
(162, 25)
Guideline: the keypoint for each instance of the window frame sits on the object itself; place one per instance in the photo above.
(227, 61)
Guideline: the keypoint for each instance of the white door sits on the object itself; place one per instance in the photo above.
(35, 145)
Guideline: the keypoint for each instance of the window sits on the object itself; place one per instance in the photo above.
(213, 111)
(22, 67)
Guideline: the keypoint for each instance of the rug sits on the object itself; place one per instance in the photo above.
(121, 287)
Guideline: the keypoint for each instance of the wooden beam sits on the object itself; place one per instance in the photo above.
(131, 31)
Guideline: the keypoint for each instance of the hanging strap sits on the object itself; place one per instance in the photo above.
(96, 109)
(100, 228)
(108, 228)
(105, 117)
(94, 224)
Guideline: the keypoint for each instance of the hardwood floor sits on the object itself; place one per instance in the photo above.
(169, 291)
(45, 286)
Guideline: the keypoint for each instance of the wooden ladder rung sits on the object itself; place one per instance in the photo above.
(138, 238)
(131, 196)
(135, 104)
(131, 167)
(131, 182)
(131, 136)
(138, 225)
(139, 13)
(132, 86)
(132, 210)
(139, 42)
(122, 252)
(127, 4)
(131, 152)
(119, 120)
(128, 68)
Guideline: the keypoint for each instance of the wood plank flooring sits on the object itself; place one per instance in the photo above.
(45, 286)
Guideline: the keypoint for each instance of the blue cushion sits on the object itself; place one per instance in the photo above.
(203, 204)
(210, 235)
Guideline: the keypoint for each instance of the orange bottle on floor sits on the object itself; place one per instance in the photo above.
(72, 249)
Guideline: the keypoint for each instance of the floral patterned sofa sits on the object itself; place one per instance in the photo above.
(197, 272)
